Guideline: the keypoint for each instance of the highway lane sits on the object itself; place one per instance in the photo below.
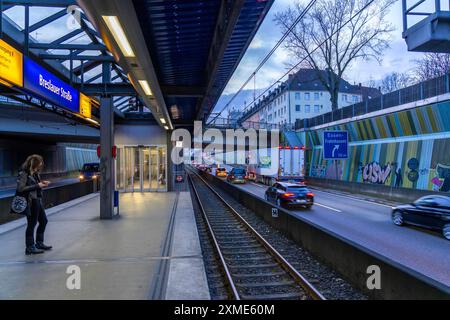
(369, 224)
(10, 191)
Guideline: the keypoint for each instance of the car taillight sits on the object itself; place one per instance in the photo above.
(287, 195)
(310, 194)
(232, 177)
(246, 177)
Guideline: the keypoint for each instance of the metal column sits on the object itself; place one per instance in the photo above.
(106, 159)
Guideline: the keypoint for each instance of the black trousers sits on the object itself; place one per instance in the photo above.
(37, 215)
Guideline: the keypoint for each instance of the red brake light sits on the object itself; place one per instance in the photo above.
(310, 194)
(288, 148)
(287, 195)
(295, 148)
(280, 147)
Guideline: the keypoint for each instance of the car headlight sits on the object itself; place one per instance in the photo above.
(94, 176)
(81, 177)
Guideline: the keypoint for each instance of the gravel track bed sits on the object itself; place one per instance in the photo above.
(326, 280)
(257, 273)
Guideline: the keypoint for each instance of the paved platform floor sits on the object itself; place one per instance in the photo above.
(117, 258)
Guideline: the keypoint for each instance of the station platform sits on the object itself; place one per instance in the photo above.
(151, 251)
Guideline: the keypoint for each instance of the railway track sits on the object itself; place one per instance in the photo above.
(253, 269)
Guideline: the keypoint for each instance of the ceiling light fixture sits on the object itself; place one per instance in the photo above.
(145, 86)
(114, 26)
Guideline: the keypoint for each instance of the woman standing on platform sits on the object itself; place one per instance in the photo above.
(30, 185)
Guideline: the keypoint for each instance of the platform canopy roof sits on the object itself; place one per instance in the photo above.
(186, 50)
(183, 52)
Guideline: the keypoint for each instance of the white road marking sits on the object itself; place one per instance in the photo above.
(327, 207)
(357, 199)
(258, 185)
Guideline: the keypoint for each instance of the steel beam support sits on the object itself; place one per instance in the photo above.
(106, 160)
(67, 46)
(40, 3)
(65, 57)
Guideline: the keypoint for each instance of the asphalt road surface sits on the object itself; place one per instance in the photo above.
(369, 224)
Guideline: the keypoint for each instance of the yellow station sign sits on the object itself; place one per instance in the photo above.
(85, 106)
(11, 64)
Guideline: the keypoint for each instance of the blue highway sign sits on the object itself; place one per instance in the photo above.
(335, 145)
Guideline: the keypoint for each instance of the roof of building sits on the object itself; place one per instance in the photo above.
(309, 80)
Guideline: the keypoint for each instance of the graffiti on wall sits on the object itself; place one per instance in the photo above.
(375, 173)
(441, 181)
(328, 171)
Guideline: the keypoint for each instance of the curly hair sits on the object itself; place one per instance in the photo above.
(33, 163)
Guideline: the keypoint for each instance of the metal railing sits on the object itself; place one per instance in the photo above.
(417, 92)
(409, 11)
(224, 123)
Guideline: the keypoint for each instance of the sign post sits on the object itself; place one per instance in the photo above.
(335, 147)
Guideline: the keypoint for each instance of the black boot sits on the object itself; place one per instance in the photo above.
(41, 245)
(33, 250)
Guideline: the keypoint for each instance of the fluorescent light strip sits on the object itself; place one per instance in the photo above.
(166, 127)
(119, 35)
(146, 87)
(163, 121)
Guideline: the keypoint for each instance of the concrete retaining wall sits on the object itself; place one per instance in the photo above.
(380, 191)
(52, 197)
(348, 258)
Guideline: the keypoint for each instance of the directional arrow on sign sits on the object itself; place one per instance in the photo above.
(336, 147)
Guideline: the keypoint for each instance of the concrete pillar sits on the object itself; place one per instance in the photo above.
(106, 160)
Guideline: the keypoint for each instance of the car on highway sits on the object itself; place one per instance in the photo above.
(237, 175)
(90, 171)
(431, 212)
(290, 195)
(221, 172)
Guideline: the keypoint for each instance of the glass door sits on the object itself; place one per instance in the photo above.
(146, 168)
(153, 168)
(129, 169)
(141, 168)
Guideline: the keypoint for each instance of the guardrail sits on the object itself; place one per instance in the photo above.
(417, 92)
(53, 196)
(348, 258)
(396, 194)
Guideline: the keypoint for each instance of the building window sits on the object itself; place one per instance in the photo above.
(344, 97)
(307, 108)
(284, 109)
(355, 99)
(316, 96)
(297, 96)
(317, 108)
(297, 108)
(307, 96)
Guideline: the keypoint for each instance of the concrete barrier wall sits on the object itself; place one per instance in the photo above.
(346, 257)
(52, 197)
(380, 191)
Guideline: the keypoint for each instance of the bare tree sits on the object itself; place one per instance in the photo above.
(432, 65)
(395, 81)
(364, 37)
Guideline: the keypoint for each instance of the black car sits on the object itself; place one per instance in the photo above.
(432, 212)
(290, 195)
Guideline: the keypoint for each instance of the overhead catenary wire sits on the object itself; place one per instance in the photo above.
(267, 57)
(312, 51)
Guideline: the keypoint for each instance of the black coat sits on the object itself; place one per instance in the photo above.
(28, 185)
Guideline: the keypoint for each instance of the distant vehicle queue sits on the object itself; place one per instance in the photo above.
(429, 212)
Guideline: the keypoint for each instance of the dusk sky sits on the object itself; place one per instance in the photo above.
(397, 58)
